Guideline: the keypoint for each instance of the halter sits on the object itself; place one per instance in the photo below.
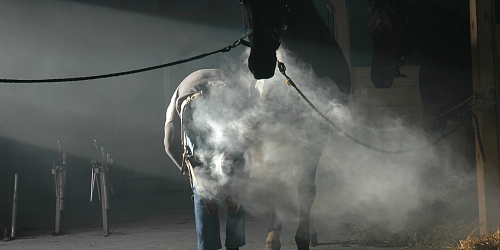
(275, 33)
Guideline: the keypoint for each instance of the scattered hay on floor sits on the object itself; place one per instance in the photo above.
(436, 224)
(437, 237)
(486, 242)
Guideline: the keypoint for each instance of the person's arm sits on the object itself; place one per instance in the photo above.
(173, 143)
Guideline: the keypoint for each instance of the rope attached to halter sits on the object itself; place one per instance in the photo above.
(282, 69)
(95, 77)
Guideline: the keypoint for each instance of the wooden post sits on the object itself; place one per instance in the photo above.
(57, 184)
(341, 23)
(484, 83)
(105, 205)
(340, 13)
(14, 208)
(59, 173)
(104, 200)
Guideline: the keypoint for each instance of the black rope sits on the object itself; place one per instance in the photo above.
(479, 97)
(468, 100)
(94, 77)
(282, 68)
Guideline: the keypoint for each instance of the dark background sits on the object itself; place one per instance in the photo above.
(54, 39)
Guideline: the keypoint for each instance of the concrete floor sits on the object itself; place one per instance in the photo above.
(156, 221)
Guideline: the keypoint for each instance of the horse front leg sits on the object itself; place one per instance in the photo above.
(312, 232)
(273, 238)
(307, 195)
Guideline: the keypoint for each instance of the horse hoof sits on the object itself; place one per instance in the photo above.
(273, 240)
(302, 245)
(314, 240)
(273, 245)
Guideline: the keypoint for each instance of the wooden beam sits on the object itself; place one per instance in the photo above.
(165, 5)
(217, 4)
(484, 83)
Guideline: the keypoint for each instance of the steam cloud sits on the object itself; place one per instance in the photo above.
(272, 118)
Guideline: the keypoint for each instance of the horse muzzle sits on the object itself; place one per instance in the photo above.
(262, 58)
(262, 67)
(382, 76)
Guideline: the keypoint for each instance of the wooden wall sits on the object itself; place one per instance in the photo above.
(402, 99)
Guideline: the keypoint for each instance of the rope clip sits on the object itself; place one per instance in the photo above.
(282, 67)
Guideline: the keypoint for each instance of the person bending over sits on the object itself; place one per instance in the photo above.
(215, 155)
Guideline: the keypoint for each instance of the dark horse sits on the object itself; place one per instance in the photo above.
(299, 27)
(442, 39)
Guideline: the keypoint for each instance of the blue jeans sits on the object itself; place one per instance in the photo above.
(208, 227)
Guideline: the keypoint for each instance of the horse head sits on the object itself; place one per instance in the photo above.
(264, 23)
(389, 32)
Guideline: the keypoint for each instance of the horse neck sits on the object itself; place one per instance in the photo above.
(305, 26)
(309, 39)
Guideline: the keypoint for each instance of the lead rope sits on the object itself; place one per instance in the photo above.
(289, 82)
(94, 77)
